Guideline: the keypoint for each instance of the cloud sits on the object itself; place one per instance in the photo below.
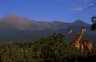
(84, 6)
(77, 9)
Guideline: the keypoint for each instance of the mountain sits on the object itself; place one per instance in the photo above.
(21, 23)
(16, 22)
(16, 28)
(79, 22)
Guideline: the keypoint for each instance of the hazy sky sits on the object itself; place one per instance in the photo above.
(50, 10)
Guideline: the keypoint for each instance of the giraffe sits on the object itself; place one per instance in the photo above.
(84, 43)
(77, 44)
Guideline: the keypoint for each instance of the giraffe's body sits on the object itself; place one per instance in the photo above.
(83, 43)
(77, 43)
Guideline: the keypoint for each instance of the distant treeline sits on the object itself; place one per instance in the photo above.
(54, 48)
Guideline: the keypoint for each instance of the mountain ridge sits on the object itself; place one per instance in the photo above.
(21, 23)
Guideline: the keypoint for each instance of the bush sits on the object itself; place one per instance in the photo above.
(54, 48)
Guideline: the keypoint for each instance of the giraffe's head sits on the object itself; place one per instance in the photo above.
(70, 31)
(83, 29)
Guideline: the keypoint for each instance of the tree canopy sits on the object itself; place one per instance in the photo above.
(93, 19)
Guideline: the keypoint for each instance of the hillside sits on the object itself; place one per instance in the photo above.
(13, 27)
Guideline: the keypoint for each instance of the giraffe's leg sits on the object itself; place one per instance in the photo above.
(89, 47)
(78, 46)
(82, 47)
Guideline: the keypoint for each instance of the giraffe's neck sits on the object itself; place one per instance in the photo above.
(75, 34)
(79, 37)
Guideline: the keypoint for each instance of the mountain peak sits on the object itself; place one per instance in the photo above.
(17, 21)
(78, 22)
(12, 16)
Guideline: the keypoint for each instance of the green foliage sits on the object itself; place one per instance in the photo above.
(93, 26)
(54, 48)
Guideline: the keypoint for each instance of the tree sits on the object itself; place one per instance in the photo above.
(93, 20)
